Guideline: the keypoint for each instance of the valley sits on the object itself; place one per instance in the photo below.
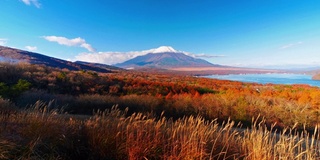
(87, 95)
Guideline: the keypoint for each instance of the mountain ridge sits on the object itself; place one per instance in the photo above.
(8, 54)
(165, 57)
(176, 62)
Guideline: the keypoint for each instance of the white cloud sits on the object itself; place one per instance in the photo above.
(32, 2)
(202, 55)
(88, 47)
(3, 41)
(208, 56)
(31, 48)
(109, 57)
(70, 42)
(291, 45)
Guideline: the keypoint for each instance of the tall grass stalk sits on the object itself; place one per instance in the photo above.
(112, 134)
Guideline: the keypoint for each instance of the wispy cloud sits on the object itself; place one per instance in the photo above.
(208, 56)
(32, 2)
(70, 42)
(291, 45)
(109, 57)
(202, 55)
(3, 41)
(31, 48)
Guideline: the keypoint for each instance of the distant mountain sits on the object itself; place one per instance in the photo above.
(165, 57)
(15, 55)
(316, 77)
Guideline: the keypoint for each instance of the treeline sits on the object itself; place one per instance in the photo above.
(57, 81)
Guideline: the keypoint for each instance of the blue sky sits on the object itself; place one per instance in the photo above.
(251, 33)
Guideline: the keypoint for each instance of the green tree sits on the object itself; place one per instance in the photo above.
(15, 90)
(4, 90)
(21, 86)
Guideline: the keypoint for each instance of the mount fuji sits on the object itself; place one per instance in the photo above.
(165, 57)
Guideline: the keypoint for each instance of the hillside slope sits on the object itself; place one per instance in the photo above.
(8, 54)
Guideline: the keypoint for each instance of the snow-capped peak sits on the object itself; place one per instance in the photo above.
(164, 49)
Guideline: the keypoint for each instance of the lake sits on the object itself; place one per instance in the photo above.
(274, 78)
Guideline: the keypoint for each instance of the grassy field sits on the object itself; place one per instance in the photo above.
(41, 134)
(48, 113)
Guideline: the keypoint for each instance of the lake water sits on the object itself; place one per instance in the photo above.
(274, 78)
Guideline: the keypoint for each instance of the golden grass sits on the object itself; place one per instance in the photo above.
(40, 134)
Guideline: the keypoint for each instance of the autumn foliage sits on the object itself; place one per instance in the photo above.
(48, 113)
(82, 92)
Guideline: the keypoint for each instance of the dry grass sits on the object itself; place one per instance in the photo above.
(40, 134)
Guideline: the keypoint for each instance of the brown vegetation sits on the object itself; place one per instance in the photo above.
(81, 92)
(39, 134)
(166, 117)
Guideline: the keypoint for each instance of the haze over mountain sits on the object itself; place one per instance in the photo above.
(165, 57)
(15, 55)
